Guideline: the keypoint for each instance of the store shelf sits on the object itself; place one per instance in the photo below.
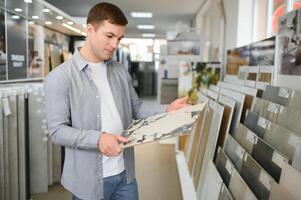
(188, 191)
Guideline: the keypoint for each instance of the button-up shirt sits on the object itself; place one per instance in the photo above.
(73, 119)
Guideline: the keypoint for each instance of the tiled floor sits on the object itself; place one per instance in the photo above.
(156, 172)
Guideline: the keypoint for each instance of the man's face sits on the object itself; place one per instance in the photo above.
(104, 40)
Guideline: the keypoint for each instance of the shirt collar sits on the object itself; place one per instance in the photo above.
(82, 63)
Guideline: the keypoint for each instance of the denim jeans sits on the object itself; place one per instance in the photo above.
(116, 188)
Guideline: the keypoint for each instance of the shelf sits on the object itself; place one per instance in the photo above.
(188, 191)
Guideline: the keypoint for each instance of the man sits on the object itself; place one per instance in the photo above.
(89, 102)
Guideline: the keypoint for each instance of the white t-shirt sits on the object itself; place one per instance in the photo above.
(110, 119)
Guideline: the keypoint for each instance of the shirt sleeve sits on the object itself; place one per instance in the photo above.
(57, 102)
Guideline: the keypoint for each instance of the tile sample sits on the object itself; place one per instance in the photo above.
(212, 94)
(2, 161)
(239, 103)
(255, 123)
(290, 180)
(239, 189)
(256, 177)
(162, 126)
(245, 137)
(224, 194)
(290, 118)
(279, 193)
(214, 88)
(212, 183)
(266, 109)
(234, 151)
(224, 166)
(271, 160)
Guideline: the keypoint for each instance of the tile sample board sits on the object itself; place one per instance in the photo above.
(259, 181)
(283, 96)
(212, 94)
(162, 126)
(224, 194)
(279, 193)
(234, 151)
(239, 102)
(266, 109)
(214, 88)
(290, 118)
(256, 123)
(239, 189)
(224, 166)
(245, 137)
(212, 138)
(2, 160)
(212, 183)
(290, 180)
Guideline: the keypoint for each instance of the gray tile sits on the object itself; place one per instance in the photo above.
(297, 158)
(2, 164)
(251, 122)
(6, 156)
(224, 166)
(239, 189)
(234, 151)
(266, 109)
(256, 177)
(224, 194)
(290, 118)
(271, 160)
(245, 137)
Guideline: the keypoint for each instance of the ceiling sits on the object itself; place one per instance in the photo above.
(166, 14)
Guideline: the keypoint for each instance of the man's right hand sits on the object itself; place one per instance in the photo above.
(109, 144)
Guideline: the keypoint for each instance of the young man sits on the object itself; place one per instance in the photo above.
(89, 102)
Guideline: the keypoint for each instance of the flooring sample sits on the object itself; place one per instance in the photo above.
(234, 151)
(224, 194)
(212, 138)
(239, 189)
(256, 123)
(290, 180)
(271, 160)
(214, 88)
(245, 137)
(290, 118)
(284, 96)
(239, 102)
(212, 183)
(256, 177)
(224, 166)
(279, 193)
(212, 94)
(162, 126)
(229, 105)
(266, 109)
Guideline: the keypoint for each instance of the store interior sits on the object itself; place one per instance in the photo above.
(242, 59)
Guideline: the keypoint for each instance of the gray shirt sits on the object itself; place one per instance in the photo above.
(74, 121)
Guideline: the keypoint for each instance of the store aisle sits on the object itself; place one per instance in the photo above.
(156, 170)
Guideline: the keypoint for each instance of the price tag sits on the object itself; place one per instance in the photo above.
(262, 122)
(265, 180)
(278, 159)
(284, 92)
(6, 107)
(251, 137)
(273, 107)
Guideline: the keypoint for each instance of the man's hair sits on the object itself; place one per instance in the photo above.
(106, 11)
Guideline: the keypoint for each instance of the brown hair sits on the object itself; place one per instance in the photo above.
(106, 11)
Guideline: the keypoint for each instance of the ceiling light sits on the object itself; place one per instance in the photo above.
(141, 14)
(18, 10)
(48, 22)
(15, 17)
(71, 28)
(35, 17)
(145, 27)
(28, 1)
(59, 17)
(148, 35)
(70, 23)
(46, 10)
(31, 22)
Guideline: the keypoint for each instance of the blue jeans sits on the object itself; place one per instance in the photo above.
(116, 188)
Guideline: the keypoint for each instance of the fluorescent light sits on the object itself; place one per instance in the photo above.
(48, 22)
(59, 17)
(141, 14)
(46, 10)
(28, 1)
(35, 17)
(71, 28)
(15, 17)
(18, 10)
(148, 35)
(145, 27)
(31, 22)
(70, 23)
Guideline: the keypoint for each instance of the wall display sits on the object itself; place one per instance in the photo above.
(224, 166)
(259, 181)
(239, 189)
(3, 53)
(262, 53)
(237, 57)
(256, 123)
(245, 137)
(16, 47)
(234, 151)
(238, 109)
(290, 180)
(162, 126)
(283, 96)
(289, 43)
(212, 183)
(224, 194)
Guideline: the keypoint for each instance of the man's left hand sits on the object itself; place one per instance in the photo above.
(178, 104)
